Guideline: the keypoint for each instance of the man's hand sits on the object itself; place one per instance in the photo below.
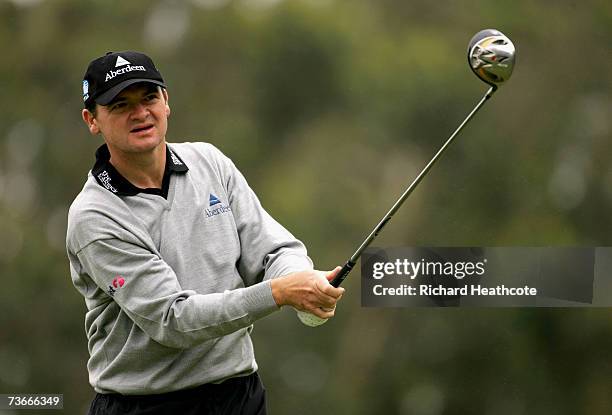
(308, 291)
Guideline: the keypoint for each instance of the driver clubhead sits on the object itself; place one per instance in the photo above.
(491, 55)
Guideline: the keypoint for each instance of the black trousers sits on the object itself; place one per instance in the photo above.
(240, 396)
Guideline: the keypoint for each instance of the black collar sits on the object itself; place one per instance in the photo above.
(108, 177)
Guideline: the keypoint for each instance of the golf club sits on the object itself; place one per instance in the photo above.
(491, 56)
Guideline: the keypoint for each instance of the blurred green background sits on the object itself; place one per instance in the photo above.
(330, 108)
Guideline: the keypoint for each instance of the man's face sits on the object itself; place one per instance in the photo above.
(135, 121)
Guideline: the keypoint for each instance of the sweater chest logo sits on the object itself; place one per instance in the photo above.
(216, 207)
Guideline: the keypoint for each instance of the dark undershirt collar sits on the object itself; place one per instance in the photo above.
(108, 177)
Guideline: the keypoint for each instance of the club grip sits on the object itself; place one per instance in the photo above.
(346, 268)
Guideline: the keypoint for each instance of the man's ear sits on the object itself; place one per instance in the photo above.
(165, 95)
(90, 121)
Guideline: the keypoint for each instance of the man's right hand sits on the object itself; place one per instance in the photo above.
(308, 291)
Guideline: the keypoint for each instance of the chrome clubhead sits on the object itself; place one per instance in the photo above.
(491, 56)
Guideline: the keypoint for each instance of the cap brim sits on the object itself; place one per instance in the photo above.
(109, 95)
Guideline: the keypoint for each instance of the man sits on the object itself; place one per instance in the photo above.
(175, 258)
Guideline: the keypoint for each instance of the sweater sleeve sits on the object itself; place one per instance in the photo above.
(147, 290)
(268, 250)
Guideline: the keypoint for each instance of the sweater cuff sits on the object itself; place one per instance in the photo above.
(259, 301)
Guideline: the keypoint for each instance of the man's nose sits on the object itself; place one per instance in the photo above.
(139, 111)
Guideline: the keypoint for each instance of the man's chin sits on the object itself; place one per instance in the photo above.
(144, 144)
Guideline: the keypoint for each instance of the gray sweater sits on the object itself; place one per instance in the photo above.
(173, 285)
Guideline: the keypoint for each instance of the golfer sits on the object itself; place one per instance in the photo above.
(175, 257)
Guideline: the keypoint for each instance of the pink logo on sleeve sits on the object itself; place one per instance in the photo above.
(118, 281)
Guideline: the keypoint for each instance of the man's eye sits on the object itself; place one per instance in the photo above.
(117, 106)
(151, 97)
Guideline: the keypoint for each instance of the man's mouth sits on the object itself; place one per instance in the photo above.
(141, 128)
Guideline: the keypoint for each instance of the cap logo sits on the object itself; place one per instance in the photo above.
(129, 68)
(85, 90)
(121, 62)
(109, 74)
